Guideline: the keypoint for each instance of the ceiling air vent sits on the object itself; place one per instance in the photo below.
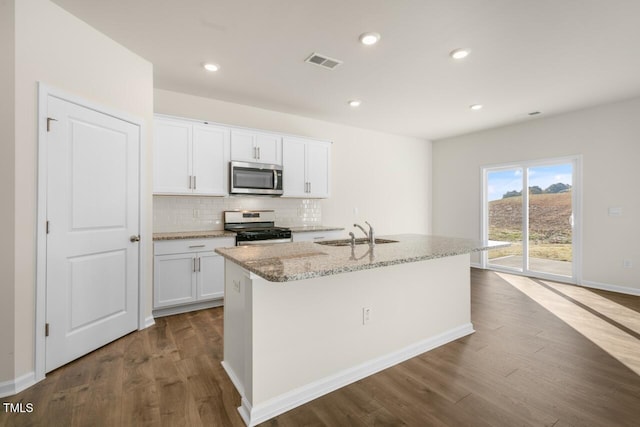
(323, 61)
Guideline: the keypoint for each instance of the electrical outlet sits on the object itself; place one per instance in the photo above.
(627, 263)
(236, 286)
(366, 315)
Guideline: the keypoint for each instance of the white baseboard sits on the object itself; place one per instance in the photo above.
(178, 309)
(612, 288)
(233, 377)
(9, 388)
(149, 321)
(253, 415)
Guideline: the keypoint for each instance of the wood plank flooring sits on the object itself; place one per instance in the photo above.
(524, 366)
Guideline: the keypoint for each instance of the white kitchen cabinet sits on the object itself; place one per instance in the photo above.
(188, 272)
(306, 165)
(316, 236)
(174, 280)
(255, 147)
(210, 280)
(190, 158)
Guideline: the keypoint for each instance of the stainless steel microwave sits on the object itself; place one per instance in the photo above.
(255, 178)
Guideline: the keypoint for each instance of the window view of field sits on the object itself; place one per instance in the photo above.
(550, 231)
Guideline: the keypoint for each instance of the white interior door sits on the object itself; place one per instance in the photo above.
(92, 211)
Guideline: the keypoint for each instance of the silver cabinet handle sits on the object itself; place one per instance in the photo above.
(309, 187)
(258, 153)
(255, 153)
(190, 182)
(134, 239)
(196, 246)
(198, 264)
(194, 182)
(194, 264)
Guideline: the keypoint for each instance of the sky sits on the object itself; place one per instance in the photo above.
(499, 182)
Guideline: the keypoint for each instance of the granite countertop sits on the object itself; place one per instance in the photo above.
(304, 260)
(309, 228)
(192, 235)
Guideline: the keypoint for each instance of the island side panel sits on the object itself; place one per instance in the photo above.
(307, 331)
(237, 327)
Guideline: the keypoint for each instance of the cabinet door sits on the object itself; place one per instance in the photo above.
(174, 280)
(268, 148)
(210, 160)
(318, 166)
(242, 146)
(172, 157)
(210, 276)
(293, 166)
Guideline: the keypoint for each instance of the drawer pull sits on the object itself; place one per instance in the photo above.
(196, 246)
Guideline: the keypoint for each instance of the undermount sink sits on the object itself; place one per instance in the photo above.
(347, 242)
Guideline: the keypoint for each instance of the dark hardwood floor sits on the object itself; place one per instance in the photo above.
(523, 367)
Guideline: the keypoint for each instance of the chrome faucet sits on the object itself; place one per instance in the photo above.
(370, 235)
(353, 240)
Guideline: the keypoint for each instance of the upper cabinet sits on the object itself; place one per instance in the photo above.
(193, 157)
(190, 158)
(306, 167)
(255, 147)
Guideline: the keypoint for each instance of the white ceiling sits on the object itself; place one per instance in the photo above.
(527, 55)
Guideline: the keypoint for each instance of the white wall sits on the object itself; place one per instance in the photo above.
(607, 136)
(386, 177)
(55, 48)
(7, 188)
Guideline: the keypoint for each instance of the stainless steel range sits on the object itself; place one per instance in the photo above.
(255, 228)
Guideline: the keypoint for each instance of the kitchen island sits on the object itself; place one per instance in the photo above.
(303, 319)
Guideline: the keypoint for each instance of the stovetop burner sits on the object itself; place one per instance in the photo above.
(254, 226)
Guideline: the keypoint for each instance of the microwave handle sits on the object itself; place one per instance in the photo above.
(275, 180)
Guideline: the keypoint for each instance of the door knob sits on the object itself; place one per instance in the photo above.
(134, 239)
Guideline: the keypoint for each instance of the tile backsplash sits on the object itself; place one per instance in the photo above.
(189, 213)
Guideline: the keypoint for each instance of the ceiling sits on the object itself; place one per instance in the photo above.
(550, 56)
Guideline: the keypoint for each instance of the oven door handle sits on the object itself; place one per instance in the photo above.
(275, 179)
(263, 242)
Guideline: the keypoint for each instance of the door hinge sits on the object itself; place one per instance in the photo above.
(46, 329)
(49, 120)
(47, 227)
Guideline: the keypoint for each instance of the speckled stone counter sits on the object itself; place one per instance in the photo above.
(192, 235)
(305, 260)
(314, 228)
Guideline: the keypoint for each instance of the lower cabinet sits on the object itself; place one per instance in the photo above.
(187, 273)
(316, 236)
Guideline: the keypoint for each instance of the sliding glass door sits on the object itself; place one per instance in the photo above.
(539, 221)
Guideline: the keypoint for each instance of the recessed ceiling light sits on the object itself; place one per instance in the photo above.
(211, 67)
(459, 53)
(476, 106)
(355, 103)
(369, 38)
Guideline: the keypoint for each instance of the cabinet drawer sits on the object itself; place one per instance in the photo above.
(191, 245)
(316, 236)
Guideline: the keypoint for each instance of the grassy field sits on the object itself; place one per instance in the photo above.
(549, 226)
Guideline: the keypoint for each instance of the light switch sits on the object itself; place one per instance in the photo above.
(615, 211)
